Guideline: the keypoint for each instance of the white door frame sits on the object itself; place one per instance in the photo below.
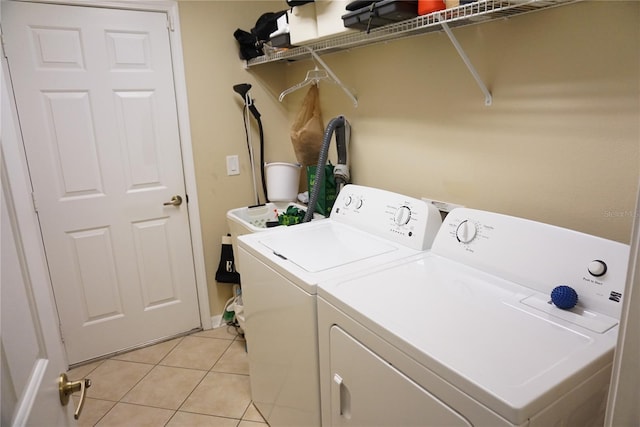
(622, 409)
(169, 7)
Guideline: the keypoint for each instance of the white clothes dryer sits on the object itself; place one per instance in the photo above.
(280, 271)
(466, 335)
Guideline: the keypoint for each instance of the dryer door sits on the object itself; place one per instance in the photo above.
(366, 390)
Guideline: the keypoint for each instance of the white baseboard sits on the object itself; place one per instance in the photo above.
(215, 321)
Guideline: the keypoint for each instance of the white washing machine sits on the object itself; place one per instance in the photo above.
(280, 270)
(465, 334)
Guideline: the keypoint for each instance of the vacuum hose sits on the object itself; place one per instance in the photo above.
(322, 160)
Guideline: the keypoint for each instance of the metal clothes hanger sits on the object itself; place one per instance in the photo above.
(316, 75)
(313, 77)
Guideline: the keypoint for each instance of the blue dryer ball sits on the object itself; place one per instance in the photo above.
(564, 297)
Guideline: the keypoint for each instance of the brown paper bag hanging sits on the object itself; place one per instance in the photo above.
(308, 129)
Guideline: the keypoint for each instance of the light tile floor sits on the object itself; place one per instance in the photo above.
(197, 380)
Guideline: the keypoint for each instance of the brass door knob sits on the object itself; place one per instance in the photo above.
(67, 388)
(175, 201)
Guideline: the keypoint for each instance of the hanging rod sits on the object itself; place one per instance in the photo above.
(333, 76)
(488, 99)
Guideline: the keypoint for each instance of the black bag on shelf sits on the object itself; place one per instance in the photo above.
(251, 43)
(250, 47)
(266, 24)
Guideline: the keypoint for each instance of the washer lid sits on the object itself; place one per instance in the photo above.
(328, 245)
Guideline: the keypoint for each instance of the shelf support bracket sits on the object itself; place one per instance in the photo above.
(488, 99)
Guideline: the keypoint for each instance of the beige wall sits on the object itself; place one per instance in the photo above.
(560, 144)
(212, 68)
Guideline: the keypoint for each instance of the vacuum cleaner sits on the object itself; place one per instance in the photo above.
(342, 129)
(242, 89)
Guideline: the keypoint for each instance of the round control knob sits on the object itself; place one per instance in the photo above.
(466, 231)
(403, 215)
(359, 204)
(564, 297)
(348, 200)
(597, 268)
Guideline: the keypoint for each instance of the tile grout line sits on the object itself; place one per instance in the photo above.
(210, 370)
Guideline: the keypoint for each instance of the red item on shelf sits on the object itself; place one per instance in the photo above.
(428, 6)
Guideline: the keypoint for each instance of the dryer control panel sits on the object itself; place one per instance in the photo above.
(539, 256)
(402, 219)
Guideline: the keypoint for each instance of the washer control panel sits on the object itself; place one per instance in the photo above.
(538, 256)
(403, 219)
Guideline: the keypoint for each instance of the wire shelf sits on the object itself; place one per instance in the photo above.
(468, 14)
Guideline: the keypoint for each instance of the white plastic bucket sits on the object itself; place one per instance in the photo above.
(282, 181)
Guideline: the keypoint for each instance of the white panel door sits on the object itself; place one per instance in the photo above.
(95, 96)
(31, 354)
(29, 368)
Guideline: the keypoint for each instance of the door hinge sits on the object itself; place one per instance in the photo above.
(4, 48)
(170, 25)
(61, 333)
(35, 203)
